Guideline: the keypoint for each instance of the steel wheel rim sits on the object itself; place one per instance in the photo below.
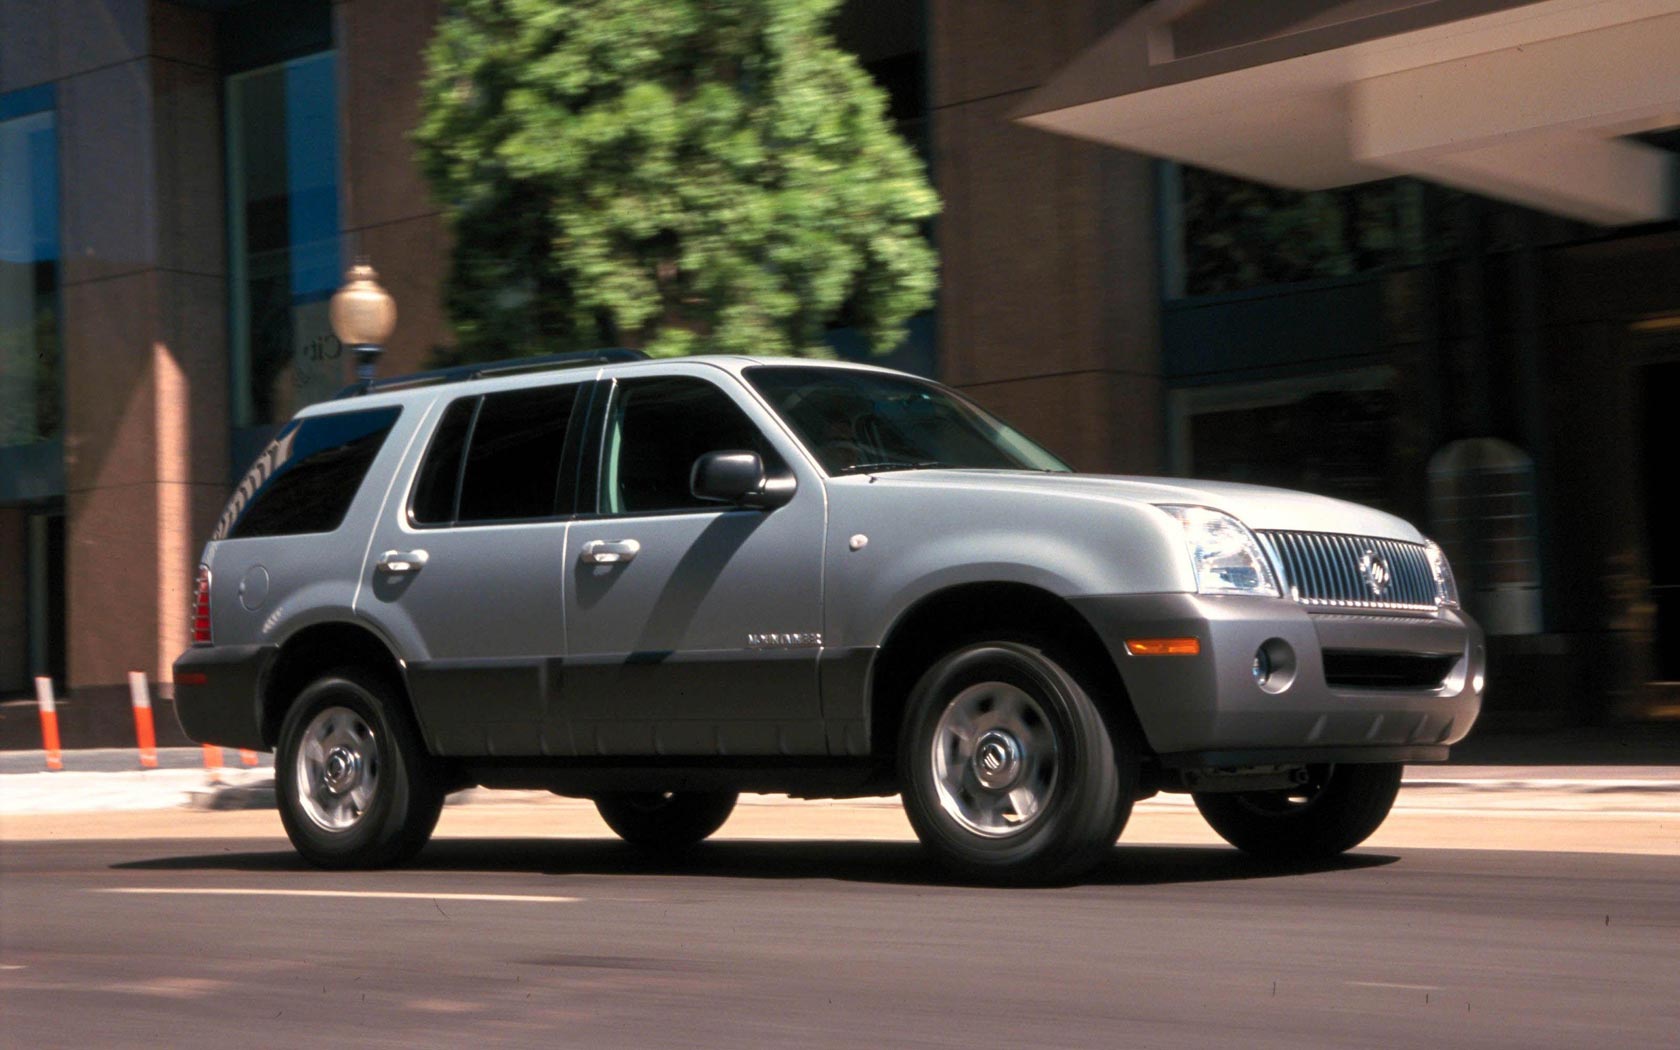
(338, 769)
(994, 760)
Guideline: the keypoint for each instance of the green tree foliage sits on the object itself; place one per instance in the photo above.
(675, 175)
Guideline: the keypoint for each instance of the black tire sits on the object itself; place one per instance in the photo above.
(378, 804)
(1337, 809)
(665, 821)
(979, 727)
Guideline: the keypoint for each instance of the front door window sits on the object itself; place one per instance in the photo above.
(657, 429)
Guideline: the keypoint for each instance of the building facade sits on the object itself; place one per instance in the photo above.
(182, 185)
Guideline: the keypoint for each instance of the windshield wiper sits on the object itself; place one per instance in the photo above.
(883, 467)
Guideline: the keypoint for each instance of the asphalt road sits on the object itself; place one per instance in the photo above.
(556, 943)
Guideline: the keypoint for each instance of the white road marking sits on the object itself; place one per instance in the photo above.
(10, 966)
(370, 894)
(1402, 987)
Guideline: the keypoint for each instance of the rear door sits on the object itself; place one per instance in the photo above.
(468, 569)
(701, 636)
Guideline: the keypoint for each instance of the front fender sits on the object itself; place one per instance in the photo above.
(889, 546)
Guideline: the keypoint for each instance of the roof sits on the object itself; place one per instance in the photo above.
(475, 378)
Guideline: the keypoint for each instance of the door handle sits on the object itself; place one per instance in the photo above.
(400, 563)
(609, 552)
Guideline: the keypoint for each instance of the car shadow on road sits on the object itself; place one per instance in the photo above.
(890, 863)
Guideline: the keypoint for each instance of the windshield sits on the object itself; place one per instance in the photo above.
(858, 422)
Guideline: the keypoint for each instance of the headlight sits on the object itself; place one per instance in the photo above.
(1446, 588)
(1227, 557)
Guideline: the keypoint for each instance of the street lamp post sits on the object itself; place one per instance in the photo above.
(363, 314)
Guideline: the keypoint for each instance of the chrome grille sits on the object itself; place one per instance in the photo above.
(1324, 569)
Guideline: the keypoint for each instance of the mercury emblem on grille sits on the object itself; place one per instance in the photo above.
(1373, 569)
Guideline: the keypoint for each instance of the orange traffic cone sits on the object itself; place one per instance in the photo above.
(49, 722)
(141, 696)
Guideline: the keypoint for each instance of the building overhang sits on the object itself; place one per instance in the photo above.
(1531, 101)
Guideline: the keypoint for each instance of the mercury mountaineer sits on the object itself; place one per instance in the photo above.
(658, 583)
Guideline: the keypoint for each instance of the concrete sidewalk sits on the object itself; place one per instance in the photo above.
(110, 781)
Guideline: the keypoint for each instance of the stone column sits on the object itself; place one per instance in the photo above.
(146, 422)
(1049, 303)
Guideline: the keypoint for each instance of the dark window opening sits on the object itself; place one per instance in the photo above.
(308, 476)
(52, 634)
(283, 233)
(856, 421)
(514, 455)
(658, 428)
(1660, 433)
(1334, 443)
(31, 372)
(439, 481)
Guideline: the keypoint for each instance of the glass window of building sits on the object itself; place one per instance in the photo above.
(1334, 434)
(1483, 511)
(1233, 235)
(1225, 234)
(283, 167)
(30, 405)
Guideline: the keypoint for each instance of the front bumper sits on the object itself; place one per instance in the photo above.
(218, 692)
(1210, 709)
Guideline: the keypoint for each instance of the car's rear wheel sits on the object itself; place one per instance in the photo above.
(1009, 772)
(665, 820)
(1335, 810)
(354, 783)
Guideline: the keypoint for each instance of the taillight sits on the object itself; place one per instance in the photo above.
(201, 607)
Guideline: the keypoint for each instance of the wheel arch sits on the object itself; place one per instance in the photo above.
(319, 648)
(939, 622)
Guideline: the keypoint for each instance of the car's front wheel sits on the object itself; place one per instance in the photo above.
(665, 820)
(354, 784)
(1009, 771)
(1335, 810)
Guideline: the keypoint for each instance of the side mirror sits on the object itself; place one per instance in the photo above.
(738, 477)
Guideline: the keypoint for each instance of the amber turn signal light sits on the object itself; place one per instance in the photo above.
(1163, 646)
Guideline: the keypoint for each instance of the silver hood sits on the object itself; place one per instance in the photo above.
(1257, 506)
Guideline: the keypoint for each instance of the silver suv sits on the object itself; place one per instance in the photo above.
(657, 584)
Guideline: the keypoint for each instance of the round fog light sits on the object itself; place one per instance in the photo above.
(1274, 665)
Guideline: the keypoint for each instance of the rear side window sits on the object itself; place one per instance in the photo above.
(306, 478)
(497, 458)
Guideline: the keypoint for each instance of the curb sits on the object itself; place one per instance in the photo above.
(259, 795)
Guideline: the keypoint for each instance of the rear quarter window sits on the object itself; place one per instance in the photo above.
(306, 478)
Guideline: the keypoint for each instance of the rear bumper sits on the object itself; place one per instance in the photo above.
(218, 693)
(1210, 710)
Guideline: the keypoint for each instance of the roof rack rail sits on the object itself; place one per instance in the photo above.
(485, 369)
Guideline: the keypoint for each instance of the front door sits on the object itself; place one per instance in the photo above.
(700, 635)
(468, 571)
